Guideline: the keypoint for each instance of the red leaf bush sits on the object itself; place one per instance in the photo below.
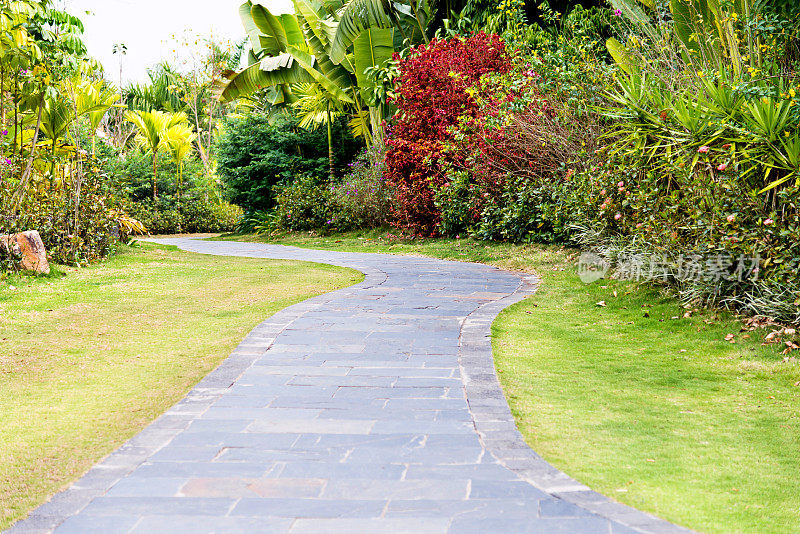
(433, 93)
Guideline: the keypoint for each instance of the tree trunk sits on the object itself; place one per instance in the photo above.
(19, 194)
(419, 23)
(180, 188)
(16, 111)
(155, 176)
(3, 94)
(330, 146)
(53, 164)
(78, 183)
(376, 121)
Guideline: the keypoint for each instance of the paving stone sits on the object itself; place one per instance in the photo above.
(370, 526)
(204, 469)
(494, 472)
(81, 524)
(133, 506)
(397, 489)
(316, 426)
(235, 439)
(146, 487)
(300, 508)
(520, 524)
(557, 508)
(420, 508)
(212, 525)
(504, 489)
(326, 470)
(346, 413)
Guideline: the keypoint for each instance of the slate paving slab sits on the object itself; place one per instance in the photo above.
(373, 409)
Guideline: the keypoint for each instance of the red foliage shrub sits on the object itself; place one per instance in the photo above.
(431, 96)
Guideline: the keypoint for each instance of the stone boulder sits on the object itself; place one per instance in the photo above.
(28, 246)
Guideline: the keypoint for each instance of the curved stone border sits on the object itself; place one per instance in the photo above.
(498, 431)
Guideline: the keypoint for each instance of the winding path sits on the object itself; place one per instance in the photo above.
(373, 409)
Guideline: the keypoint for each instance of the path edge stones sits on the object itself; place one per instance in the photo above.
(497, 428)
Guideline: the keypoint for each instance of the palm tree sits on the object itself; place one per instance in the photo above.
(317, 107)
(93, 100)
(120, 49)
(153, 127)
(75, 98)
(179, 140)
(160, 94)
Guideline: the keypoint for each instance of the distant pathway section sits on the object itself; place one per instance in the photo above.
(372, 409)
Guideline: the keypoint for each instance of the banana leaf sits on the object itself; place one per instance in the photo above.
(269, 72)
(307, 61)
(356, 17)
(373, 48)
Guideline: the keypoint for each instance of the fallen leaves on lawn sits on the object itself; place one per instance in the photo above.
(779, 337)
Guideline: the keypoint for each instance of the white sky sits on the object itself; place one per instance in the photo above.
(151, 28)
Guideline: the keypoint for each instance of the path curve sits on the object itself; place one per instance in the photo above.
(372, 409)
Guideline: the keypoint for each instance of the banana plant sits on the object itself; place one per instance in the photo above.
(329, 43)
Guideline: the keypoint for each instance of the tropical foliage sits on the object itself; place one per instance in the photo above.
(328, 46)
(634, 126)
(69, 148)
(48, 182)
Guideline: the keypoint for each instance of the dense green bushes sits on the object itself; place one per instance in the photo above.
(361, 199)
(78, 218)
(198, 209)
(304, 204)
(671, 158)
(258, 152)
(194, 216)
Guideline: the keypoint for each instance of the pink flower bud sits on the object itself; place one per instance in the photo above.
(703, 149)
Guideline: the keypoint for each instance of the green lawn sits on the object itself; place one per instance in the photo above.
(647, 406)
(88, 359)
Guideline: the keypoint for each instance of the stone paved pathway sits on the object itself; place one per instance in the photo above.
(373, 409)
